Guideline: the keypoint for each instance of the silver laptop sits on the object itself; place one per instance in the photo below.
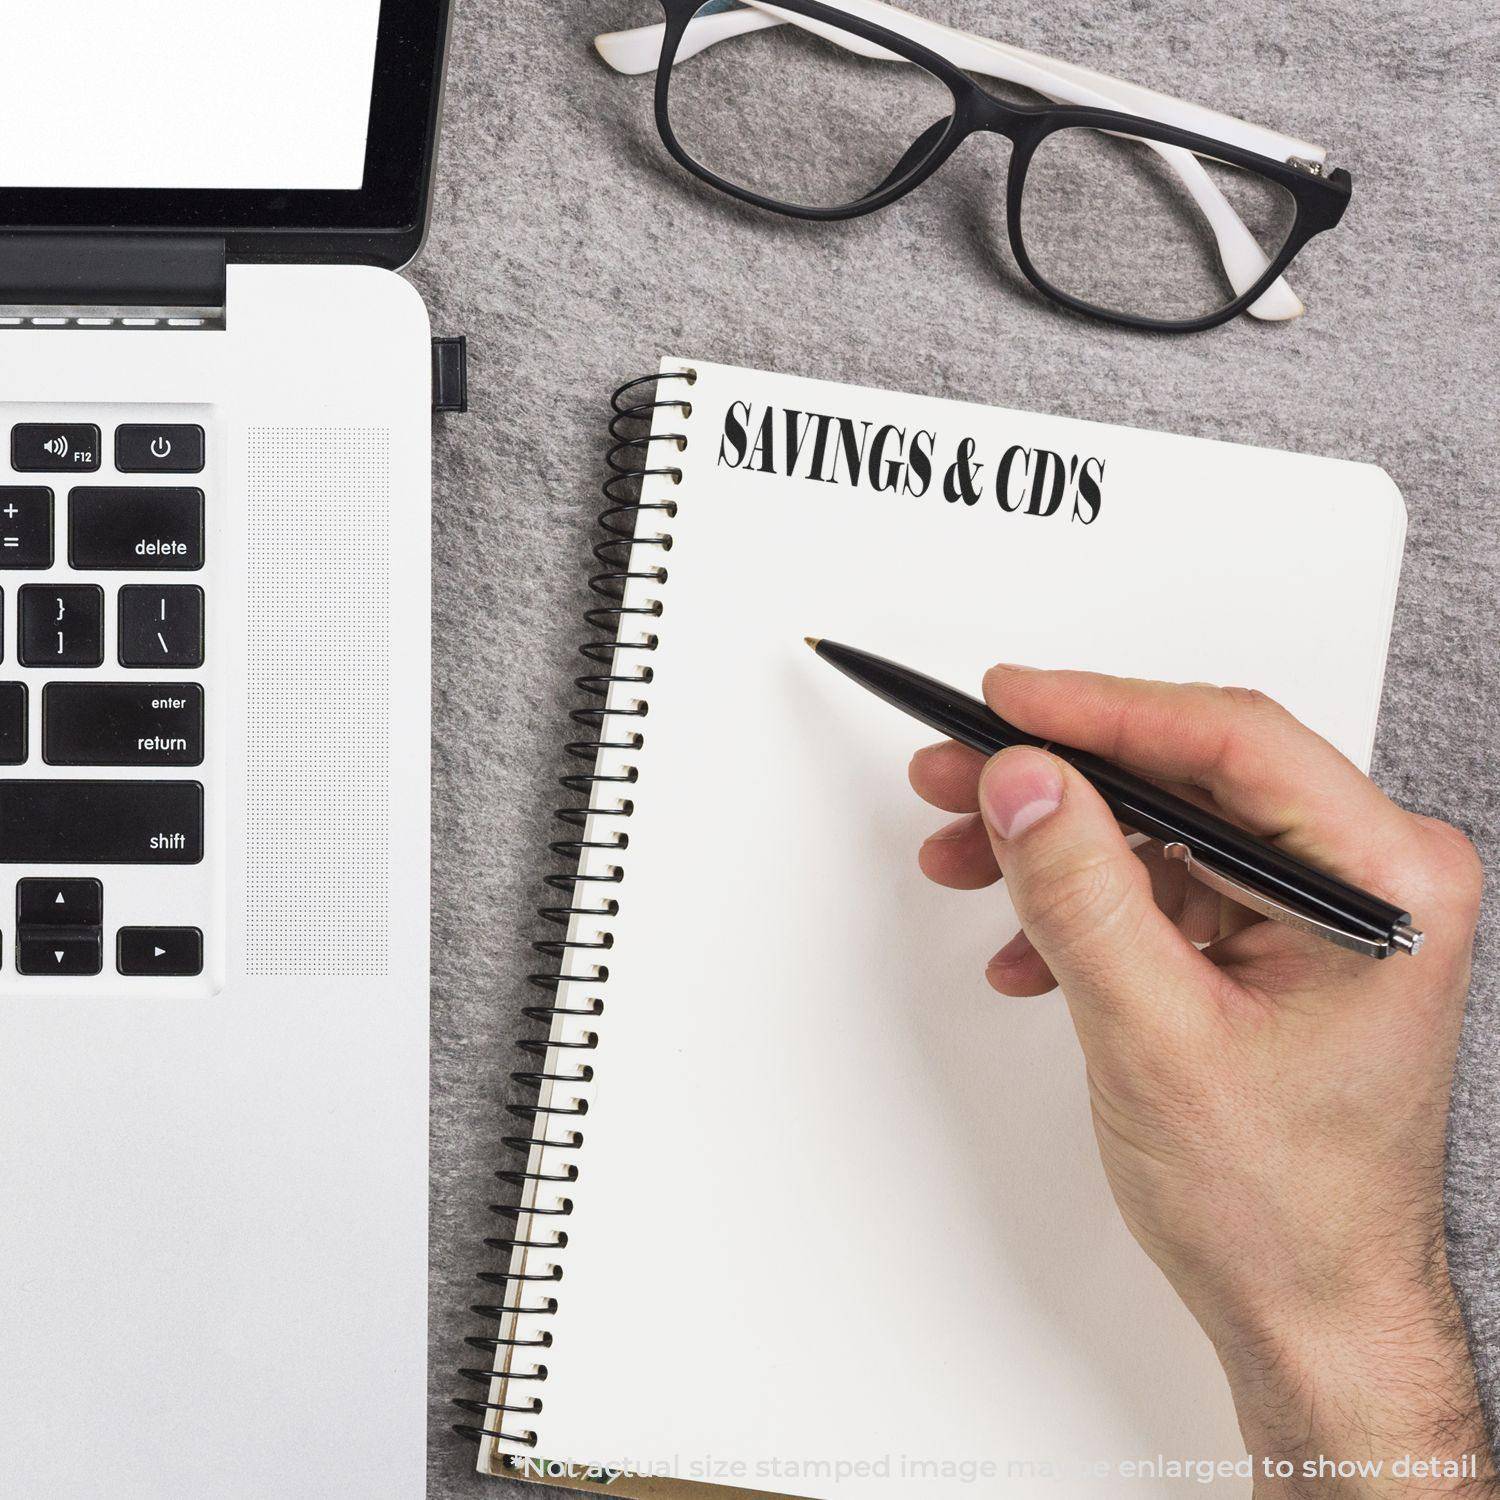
(215, 409)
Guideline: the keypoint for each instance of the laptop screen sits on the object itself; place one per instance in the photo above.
(187, 93)
(296, 129)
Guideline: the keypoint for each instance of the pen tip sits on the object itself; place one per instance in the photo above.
(1406, 937)
(812, 641)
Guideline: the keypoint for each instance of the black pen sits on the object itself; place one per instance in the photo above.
(1235, 863)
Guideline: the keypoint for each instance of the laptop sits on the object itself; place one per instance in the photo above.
(215, 483)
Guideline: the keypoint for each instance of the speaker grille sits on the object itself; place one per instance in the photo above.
(318, 737)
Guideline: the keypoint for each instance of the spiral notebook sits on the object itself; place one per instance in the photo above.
(805, 1208)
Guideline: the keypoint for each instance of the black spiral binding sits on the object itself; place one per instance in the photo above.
(631, 462)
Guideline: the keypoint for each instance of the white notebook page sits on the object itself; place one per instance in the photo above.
(840, 1227)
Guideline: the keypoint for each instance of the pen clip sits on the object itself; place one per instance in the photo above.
(1268, 906)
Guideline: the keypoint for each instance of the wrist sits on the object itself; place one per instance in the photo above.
(1372, 1395)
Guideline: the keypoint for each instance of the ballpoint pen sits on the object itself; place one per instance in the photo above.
(1227, 859)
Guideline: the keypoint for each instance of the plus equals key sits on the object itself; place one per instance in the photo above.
(25, 526)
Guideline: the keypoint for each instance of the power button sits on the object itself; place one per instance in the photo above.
(149, 448)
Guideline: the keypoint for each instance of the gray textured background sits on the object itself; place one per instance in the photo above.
(574, 254)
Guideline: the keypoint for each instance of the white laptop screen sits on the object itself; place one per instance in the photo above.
(183, 94)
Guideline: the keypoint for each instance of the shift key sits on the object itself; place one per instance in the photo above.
(138, 528)
(101, 822)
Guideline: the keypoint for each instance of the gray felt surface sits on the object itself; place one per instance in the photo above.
(574, 254)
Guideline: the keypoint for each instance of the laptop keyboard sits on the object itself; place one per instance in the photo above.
(107, 698)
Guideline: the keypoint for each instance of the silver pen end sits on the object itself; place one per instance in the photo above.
(1406, 937)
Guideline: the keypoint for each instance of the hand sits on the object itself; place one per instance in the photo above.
(1270, 1110)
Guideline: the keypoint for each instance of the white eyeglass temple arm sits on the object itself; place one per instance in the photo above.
(638, 50)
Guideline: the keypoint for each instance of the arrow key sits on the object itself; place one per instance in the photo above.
(159, 951)
(59, 950)
(59, 903)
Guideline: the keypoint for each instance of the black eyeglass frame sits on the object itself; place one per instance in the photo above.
(1320, 201)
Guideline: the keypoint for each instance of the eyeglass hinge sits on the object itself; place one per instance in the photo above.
(1306, 164)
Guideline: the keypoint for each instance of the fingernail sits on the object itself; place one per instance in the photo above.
(924, 751)
(949, 831)
(1018, 948)
(1018, 789)
(995, 675)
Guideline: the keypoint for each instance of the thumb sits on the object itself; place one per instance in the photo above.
(1083, 897)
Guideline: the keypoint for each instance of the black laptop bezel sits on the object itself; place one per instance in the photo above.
(381, 223)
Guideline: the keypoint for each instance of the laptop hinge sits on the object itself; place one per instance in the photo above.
(111, 280)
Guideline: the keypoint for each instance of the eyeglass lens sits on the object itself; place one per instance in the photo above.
(1130, 226)
(788, 115)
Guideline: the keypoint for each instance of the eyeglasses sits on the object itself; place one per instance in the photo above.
(1121, 203)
